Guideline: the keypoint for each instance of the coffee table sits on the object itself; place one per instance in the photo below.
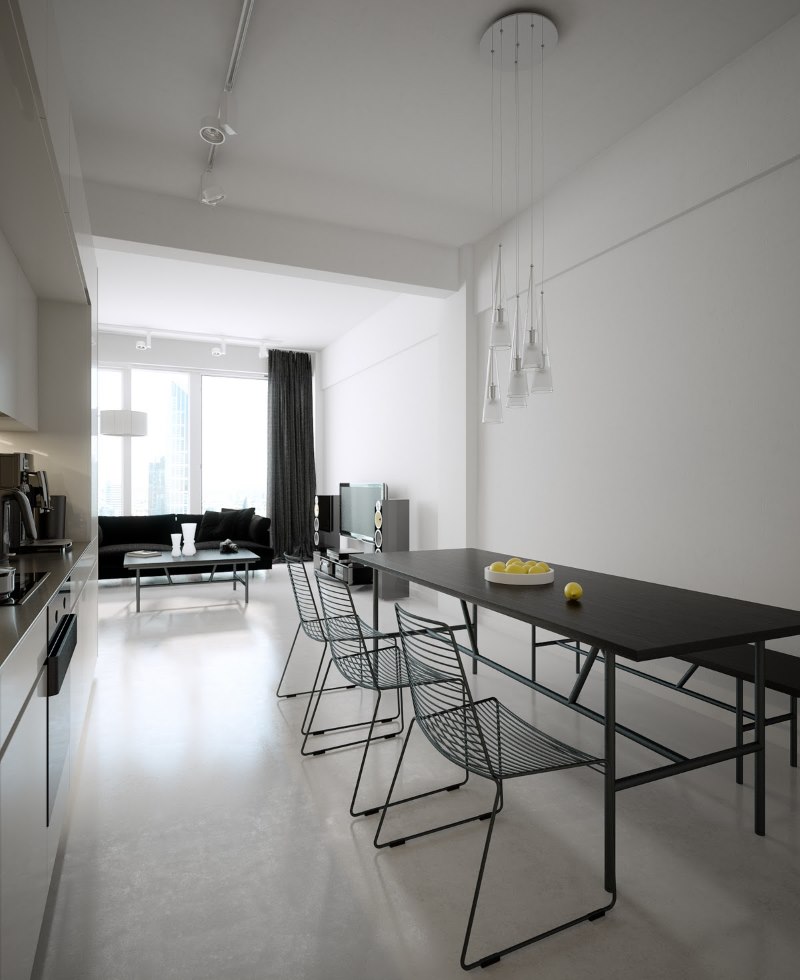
(178, 564)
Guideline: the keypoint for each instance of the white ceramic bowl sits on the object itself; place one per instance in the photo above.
(506, 578)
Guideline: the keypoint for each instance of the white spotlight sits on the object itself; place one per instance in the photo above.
(212, 131)
(211, 192)
(145, 343)
(219, 351)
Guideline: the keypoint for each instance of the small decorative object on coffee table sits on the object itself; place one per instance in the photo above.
(176, 544)
(228, 547)
(188, 538)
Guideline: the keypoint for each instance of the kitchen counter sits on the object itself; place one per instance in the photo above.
(15, 621)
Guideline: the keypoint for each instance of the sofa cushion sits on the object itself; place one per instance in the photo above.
(188, 519)
(242, 520)
(216, 526)
(259, 530)
(134, 530)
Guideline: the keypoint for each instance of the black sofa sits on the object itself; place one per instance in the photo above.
(117, 535)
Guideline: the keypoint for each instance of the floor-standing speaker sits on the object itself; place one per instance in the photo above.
(326, 521)
(391, 534)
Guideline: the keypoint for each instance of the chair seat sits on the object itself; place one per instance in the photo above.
(382, 669)
(514, 746)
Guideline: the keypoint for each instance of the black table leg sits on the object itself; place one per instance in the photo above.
(610, 772)
(471, 630)
(760, 736)
(739, 729)
(475, 633)
(138, 584)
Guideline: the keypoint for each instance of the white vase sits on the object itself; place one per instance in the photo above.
(188, 539)
(176, 545)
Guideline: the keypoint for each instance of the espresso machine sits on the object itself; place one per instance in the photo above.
(25, 492)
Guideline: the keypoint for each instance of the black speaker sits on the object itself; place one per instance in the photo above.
(391, 534)
(326, 521)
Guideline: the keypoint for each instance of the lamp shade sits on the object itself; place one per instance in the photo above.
(121, 422)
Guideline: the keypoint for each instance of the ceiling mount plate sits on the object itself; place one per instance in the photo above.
(525, 35)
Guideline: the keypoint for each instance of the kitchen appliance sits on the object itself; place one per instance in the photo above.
(15, 512)
(17, 473)
(7, 576)
(62, 638)
(22, 586)
(53, 523)
(16, 470)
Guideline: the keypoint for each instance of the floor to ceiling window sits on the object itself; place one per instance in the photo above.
(221, 420)
(234, 461)
(160, 460)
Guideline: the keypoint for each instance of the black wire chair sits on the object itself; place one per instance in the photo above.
(312, 625)
(367, 658)
(483, 737)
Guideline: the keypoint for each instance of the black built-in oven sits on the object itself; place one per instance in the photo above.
(62, 637)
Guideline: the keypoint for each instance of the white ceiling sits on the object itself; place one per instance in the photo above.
(371, 115)
(182, 297)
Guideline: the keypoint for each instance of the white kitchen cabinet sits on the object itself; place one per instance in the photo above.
(24, 875)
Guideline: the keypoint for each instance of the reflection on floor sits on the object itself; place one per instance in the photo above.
(203, 847)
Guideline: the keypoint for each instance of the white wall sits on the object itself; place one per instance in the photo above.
(668, 449)
(18, 376)
(380, 388)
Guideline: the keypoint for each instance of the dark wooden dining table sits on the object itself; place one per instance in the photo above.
(620, 617)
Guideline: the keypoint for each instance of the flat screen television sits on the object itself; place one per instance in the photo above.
(357, 509)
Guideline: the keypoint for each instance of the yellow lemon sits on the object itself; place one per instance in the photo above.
(513, 561)
(540, 568)
(573, 591)
(497, 566)
(530, 563)
(518, 569)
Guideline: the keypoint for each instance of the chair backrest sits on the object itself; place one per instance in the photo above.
(342, 623)
(442, 700)
(303, 596)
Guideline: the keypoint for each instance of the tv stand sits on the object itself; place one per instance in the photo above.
(344, 569)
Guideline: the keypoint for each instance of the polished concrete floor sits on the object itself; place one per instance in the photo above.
(202, 846)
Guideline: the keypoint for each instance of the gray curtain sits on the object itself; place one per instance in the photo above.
(291, 475)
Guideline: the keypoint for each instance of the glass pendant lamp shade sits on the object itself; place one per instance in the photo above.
(517, 396)
(500, 338)
(542, 376)
(531, 345)
(492, 405)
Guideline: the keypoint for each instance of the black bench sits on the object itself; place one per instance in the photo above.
(781, 673)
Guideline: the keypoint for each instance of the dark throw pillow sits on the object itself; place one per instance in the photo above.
(216, 526)
(241, 523)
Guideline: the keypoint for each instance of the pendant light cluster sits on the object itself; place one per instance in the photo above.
(517, 43)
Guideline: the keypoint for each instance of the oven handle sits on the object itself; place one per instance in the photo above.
(60, 653)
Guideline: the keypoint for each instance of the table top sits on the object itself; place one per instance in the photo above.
(207, 556)
(638, 620)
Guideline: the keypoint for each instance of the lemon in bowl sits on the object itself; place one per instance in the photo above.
(497, 566)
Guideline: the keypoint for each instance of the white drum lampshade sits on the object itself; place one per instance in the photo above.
(121, 422)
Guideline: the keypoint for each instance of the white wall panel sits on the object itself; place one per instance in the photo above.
(666, 451)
